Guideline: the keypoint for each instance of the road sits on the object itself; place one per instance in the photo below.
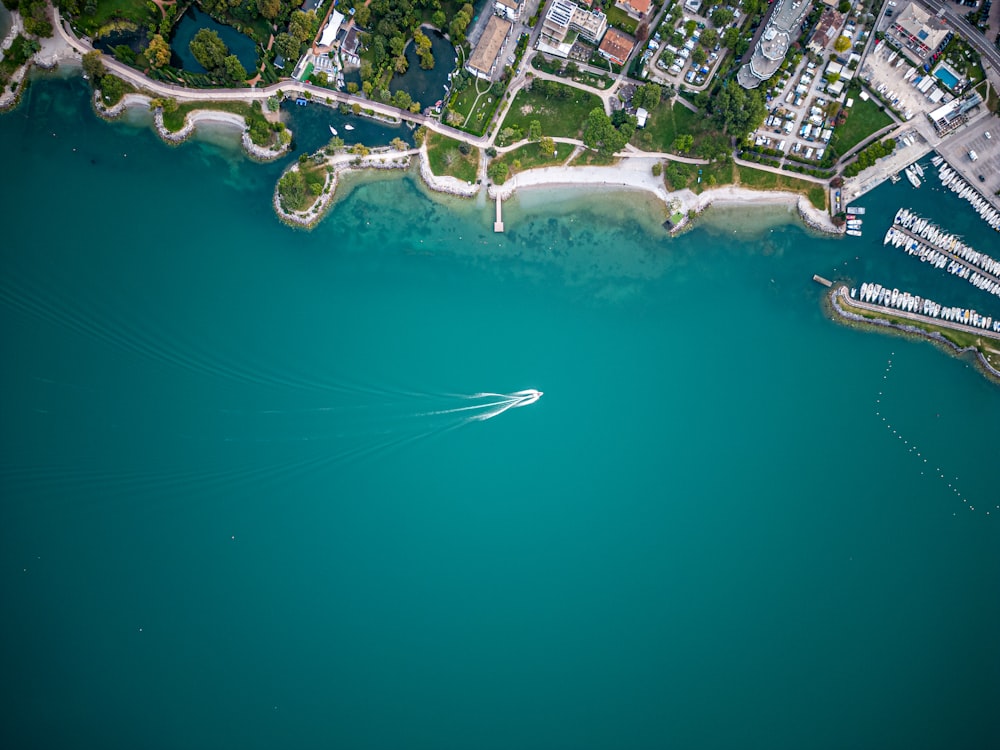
(982, 45)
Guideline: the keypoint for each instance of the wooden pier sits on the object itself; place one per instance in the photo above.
(820, 280)
(498, 224)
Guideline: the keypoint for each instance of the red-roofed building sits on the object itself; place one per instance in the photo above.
(636, 8)
(617, 46)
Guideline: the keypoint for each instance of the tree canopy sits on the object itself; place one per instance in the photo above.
(209, 49)
(600, 133)
(738, 111)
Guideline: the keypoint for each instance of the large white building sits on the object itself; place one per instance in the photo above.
(782, 28)
(564, 21)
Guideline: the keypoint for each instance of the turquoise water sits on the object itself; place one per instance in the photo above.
(230, 518)
(194, 21)
(946, 77)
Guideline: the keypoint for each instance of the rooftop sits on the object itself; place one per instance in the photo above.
(617, 45)
(485, 55)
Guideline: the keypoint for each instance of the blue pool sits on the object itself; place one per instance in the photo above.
(946, 77)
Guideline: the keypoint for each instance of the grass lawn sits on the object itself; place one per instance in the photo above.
(446, 158)
(464, 103)
(620, 19)
(864, 119)
(590, 158)
(559, 117)
(530, 156)
(174, 121)
(760, 179)
(992, 101)
(136, 11)
(668, 121)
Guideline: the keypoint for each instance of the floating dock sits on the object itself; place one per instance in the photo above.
(498, 224)
(820, 280)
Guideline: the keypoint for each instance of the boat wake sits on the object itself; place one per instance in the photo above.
(490, 405)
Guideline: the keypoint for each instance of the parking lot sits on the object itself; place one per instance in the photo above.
(892, 76)
(955, 149)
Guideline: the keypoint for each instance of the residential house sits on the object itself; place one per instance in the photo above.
(826, 31)
(617, 46)
(637, 9)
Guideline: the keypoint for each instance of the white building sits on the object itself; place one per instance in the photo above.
(509, 9)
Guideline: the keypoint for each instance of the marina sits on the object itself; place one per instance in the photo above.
(954, 182)
(921, 238)
(914, 307)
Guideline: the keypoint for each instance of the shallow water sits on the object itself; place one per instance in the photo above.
(239, 511)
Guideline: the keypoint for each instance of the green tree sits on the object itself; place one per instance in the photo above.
(534, 130)
(738, 111)
(844, 6)
(699, 55)
(287, 46)
(497, 171)
(458, 26)
(402, 99)
(93, 65)
(112, 89)
(439, 19)
(35, 16)
(29, 47)
(158, 51)
(730, 38)
(647, 96)
(842, 44)
(600, 134)
(721, 17)
(683, 143)
(234, 69)
(709, 38)
(269, 8)
(209, 50)
(546, 145)
(303, 25)
(292, 189)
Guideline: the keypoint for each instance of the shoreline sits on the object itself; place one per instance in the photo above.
(854, 320)
(140, 101)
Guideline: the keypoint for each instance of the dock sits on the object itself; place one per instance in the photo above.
(498, 224)
(948, 254)
(820, 280)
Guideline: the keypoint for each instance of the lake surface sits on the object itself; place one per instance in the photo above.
(194, 21)
(310, 126)
(426, 86)
(241, 504)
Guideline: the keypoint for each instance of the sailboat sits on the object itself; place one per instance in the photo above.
(348, 127)
(333, 130)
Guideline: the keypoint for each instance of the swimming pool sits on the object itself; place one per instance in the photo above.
(946, 77)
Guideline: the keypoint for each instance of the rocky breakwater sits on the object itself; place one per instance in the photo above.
(307, 218)
(444, 183)
(839, 299)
